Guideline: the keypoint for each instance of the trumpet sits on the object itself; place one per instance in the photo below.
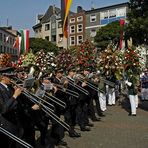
(15, 138)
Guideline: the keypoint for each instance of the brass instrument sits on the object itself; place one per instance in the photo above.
(15, 138)
(45, 108)
(107, 82)
(72, 83)
(66, 90)
(82, 79)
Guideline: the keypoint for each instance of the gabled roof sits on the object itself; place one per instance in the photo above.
(50, 11)
(10, 31)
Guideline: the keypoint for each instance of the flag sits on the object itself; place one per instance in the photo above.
(24, 41)
(65, 7)
(122, 22)
(17, 44)
(7, 38)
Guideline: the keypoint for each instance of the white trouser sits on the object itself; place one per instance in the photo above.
(133, 103)
(136, 100)
(144, 93)
(102, 100)
(111, 96)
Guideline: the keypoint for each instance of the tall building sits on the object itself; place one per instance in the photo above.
(77, 27)
(96, 18)
(7, 40)
(49, 26)
(82, 25)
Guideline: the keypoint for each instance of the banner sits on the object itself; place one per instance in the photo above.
(65, 7)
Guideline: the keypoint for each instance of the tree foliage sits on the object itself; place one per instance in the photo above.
(36, 44)
(138, 21)
(108, 33)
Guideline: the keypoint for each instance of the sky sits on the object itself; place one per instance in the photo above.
(21, 14)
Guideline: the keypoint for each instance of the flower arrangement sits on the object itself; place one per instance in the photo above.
(5, 60)
(86, 55)
(110, 61)
(65, 60)
(46, 61)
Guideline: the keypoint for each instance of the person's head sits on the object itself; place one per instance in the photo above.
(146, 71)
(71, 72)
(6, 74)
(86, 71)
(59, 73)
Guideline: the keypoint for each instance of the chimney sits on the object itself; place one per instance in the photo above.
(79, 9)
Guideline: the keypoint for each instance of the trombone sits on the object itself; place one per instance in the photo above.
(46, 109)
(15, 138)
(67, 91)
(107, 82)
(55, 100)
(89, 84)
(72, 83)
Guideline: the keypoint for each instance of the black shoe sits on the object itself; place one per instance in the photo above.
(85, 129)
(61, 142)
(133, 114)
(102, 115)
(75, 134)
(90, 124)
(96, 119)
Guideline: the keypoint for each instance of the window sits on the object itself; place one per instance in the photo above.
(8, 51)
(72, 29)
(60, 25)
(121, 12)
(112, 13)
(79, 28)
(53, 25)
(72, 40)
(72, 20)
(93, 18)
(53, 38)
(4, 38)
(1, 49)
(10, 40)
(4, 49)
(60, 38)
(92, 33)
(80, 18)
(1, 36)
(104, 15)
(79, 39)
(47, 27)
(47, 38)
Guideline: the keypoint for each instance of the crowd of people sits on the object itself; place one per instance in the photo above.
(55, 104)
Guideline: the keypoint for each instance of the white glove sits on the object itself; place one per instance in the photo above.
(128, 83)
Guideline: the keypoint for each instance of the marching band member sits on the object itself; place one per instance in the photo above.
(131, 83)
(8, 108)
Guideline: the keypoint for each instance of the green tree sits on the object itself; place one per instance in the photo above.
(36, 44)
(107, 34)
(138, 21)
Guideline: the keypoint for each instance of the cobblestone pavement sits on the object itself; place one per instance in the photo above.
(116, 130)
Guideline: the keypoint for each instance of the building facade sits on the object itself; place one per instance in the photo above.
(7, 40)
(76, 28)
(49, 26)
(96, 18)
(82, 25)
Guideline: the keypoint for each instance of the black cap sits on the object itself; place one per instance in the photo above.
(59, 70)
(7, 71)
(71, 69)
